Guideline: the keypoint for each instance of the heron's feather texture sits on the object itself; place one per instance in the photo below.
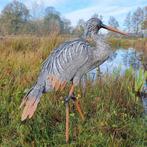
(69, 62)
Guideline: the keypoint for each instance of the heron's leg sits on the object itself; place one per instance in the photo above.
(67, 112)
(78, 106)
(67, 122)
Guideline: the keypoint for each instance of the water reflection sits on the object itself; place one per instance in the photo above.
(121, 60)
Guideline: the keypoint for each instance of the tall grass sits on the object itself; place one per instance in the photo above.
(113, 113)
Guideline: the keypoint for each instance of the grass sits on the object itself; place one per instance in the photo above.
(113, 112)
(138, 43)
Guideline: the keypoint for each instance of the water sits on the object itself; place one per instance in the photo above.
(119, 62)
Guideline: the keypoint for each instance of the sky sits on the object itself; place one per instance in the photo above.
(77, 9)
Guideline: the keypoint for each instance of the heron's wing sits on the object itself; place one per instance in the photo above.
(64, 62)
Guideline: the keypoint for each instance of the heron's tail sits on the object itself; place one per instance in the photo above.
(30, 101)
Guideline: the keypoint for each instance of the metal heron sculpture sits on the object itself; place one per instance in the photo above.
(68, 63)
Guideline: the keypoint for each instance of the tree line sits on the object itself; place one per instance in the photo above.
(137, 21)
(16, 18)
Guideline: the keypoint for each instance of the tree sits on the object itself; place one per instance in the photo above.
(67, 26)
(145, 13)
(79, 29)
(13, 17)
(127, 22)
(52, 21)
(137, 19)
(144, 24)
(113, 22)
(37, 9)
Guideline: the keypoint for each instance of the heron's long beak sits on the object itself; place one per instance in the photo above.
(113, 29)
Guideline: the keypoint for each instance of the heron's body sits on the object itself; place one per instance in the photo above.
(68, 63)
(71, 60)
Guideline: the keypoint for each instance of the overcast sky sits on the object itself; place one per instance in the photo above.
(76, 9)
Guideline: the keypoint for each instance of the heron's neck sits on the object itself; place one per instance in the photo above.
(102, 50)
(98, 39)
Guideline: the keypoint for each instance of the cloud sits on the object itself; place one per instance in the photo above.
(77, 9)
(45, 2)
(88, 12)
(106, 9)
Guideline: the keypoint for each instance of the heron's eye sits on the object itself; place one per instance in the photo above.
(98, 27)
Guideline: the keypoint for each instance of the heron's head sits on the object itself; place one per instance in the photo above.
(93, 25)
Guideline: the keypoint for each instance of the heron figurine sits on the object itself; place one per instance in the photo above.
(67, 64)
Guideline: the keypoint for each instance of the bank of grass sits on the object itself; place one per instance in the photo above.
(137, 43)
(113, 113)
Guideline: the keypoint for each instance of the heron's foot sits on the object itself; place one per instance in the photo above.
(67, 98)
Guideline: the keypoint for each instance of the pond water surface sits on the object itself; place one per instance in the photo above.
(119, 62)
